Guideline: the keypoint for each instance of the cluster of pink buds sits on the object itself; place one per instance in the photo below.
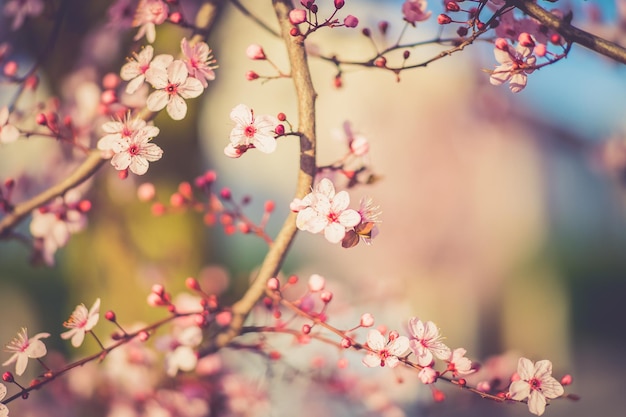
(309, 16)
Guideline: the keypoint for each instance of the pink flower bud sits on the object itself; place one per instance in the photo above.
(192, 284)
(443, 19)
(251, 76)
(339, 4)
(111, 81)
(326, 296)
(108, 97)
(41, 119)
(566, 380)
(452, 7)
(273, 284)
(279, 130)
(176, 17)
(427, 375)
(255, 51)
(342, 363)
(146, 192)
(483, 386)
(351, 21)
(293, 279)
(502, 44)
(84, 206)
(269, 206)
(110, 316)
(224, 318)
(294, 32)
(306, 329)
(157, 209)
(297, 16)
(393, 335)
(367, 320)
(281, 116)
(316, 283)
(526, 40)
(225, 193)
(232, 152)
(383, 25)
(177, 200)
(346, 343)
(10, 68)
(380, 62)
(143, 336)
(7, 377)
(540, 49)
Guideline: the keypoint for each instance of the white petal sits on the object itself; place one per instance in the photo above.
(135, 83)
(375, 340)
(399, 347)
(177, 72)
(340, 201)
(8, 134)
(536, 403)
(326, 187)
(138, 165)
(241, 114)
(121, 161)
(130, 70)
(22, 362)
(264, 143)
(78, 338)
(334, 232)
(157, 100)
(371, 360)
(349, 218)
(519, 390)
(525, 369)
(176, 108)
(157, 77)
(551, 388)
(191, 88)
(161, 61)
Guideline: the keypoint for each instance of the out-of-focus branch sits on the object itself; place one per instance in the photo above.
(572, 33)
(306, 96)
(89, 167)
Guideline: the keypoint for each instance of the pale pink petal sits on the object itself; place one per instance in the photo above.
(375, 340)
(113, 127)
(326, 187)
(371, 360)
(349, 218)
(241, 115)
(157, 100)
(334, 232)
(130, 70)
(525, 369)
(161, 61)
(176, 108)
(392, 361)
(399, 346)
(20, 365)
(121, 161)
(135, 83)
(340, 201)
(138, 165)
(265, 143)
(551, 388)
(177, 72)
(157, 77)
(536, 403)
(519, 390)
(78, 338)
(191, 88)
(9, 133)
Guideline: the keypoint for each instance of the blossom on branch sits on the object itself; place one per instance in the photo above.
(199, 60)
(515, 63)
(415, 11)
(123, 129)
(134, 71)
(80, 322)
(149, 14)
(385, 353)
(458, 364)
(536, 383)
(25, 348)
(172, 86)
(251, 131)
(4, 411)
(135, 152)
(426, 342)
(327, 211)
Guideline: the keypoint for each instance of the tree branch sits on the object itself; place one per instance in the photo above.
(572, 33)
(306, 96)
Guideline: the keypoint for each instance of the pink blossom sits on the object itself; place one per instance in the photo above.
(135, 152)
(122, 129)
(80, 322)
(8, 132)
(20, 9)
(249, 129)
(172, 86)
(199, 60)
(367, 320)
(328, 212)
(134, 71)
(25, 348)
(385, 353)
(536, 383)
(458, 364)
(427, 375)
(183, 357)
(415, 11)
(426, 342)
(297, 16)
(56, 222)
(316, 283)
(149, 14)
(255, 51)
(514, 65)
(351, 21)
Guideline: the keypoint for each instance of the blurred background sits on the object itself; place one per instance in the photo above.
(503, 215)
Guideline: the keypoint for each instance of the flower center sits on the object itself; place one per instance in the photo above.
(333, 217)
(249, 131)
(535, 384)
(133, 150)
(171, 89)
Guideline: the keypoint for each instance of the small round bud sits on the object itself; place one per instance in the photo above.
(294, 31)
(110, 316)
(351, 21)
(540, 50)
(567, 380)
(10, 68)
(556, 39)
(438, 396)
(269, 206)
(367, 320)
(223, 318)
(406, 54)
(7, 377)
(281, 116)
(393, 335)
(111, 81)
(41, 119)
(25, 395)
(184, 188)
(84, 206)
(177, 200)
(273, 284)
(244, 227)
(279, 130)
(480, 25)
(443, 19)
(483, 386)
(297, 16)
(292, 279)
(380, 62)
(452, 7)
(192, 284)
(123, 174)
(146, 192)
(316, 283)
(346, 343)
(383, 25)
(143, 336)
(366, 32)
(251, 76)
(275, 355)
(502, 44)
(255, 52)
(32, 82)
(225, 193)
(175, 17)
(326, 296)
(337, 82)
(339, 4)
(306, 328)
(526, 40)
(157, 209)
(314, 8)
(108, 97)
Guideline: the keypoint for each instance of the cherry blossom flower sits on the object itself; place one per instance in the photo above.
(122, 129)
(415, 11)
(323, 210)
(199, 61)
(8, 132)
(20, 9)
(252, 131)
(536, 383)
(25, 348)
(135, 152)
(53, 224)
(426, 342)
(458, 364)
(173, 85)
(427, 375)
(183, 357)
(134, 71)
(385, 353)
(80, 322)
(149, 14)
(514, 65)
(4, 411)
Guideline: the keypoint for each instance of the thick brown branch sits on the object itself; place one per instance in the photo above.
(306, 120)
(572, 33)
